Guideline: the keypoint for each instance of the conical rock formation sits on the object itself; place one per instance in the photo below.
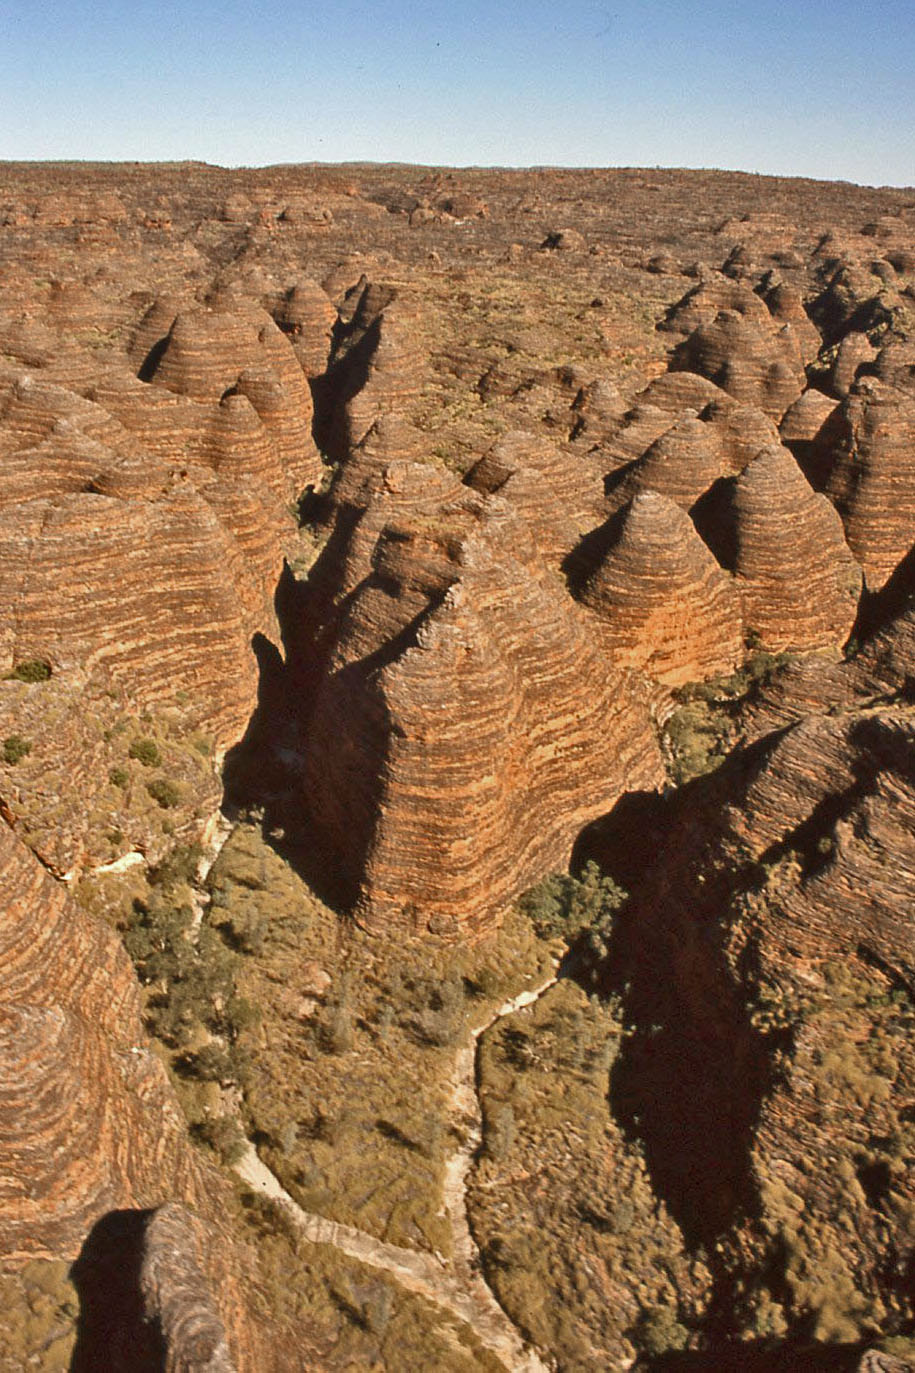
(670, 610)
(870, 440)
(756, 363)
(798, 581)
(471, 723)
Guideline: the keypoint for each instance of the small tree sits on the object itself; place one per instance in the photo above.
(562, 905)
(15, 748)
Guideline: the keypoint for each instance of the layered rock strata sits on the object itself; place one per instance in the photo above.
(855, 351)
(786, 305)
(90, 1123)
(233, 346)
(756, 363)
(555, 493)
(681, 464)
(376, 366)
(868, 443)
(704, 302)
(147, 591)
(87, 1123)
(470, 723)
(177, 1297)
(670, 610)
(798, 581)
(307, 317)
(779, 904)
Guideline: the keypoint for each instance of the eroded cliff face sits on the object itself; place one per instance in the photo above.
(471, 722)
(90, 1122)
(771, 1067)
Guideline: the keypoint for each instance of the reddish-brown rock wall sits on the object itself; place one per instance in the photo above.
(778, 902)
(870, 440)
(798, 581)
(670, 610)
(471, 723)
(147, 591)
(756, 363)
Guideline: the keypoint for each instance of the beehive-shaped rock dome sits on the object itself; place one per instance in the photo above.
(670, 610)
(798, 580)
(872, 476)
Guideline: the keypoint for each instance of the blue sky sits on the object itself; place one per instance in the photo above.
(808, 88)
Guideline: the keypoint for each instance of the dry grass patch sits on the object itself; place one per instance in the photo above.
(348, 1089)
(342, 1314)
(40, 1311)
(577, 1248)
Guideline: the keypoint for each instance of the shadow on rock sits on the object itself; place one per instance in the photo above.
(113, 1332)
(692, 1071)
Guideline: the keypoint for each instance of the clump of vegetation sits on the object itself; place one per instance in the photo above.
(702, 729)
(223, 1134)
(164, 792)
(697, 738)
(119, 777)
(659, 1331)
(145, 751)
(31, 670)
(189, 973)
(15, 748)
(565, 907)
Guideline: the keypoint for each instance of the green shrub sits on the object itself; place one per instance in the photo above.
(659, 1331)
(146, 751)
(32, 670)
(164, 792)
(119, 777)
(562, 905)
(15, 748)
(209, 1063)
(224, 1135)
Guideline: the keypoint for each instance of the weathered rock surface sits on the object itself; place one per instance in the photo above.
(90, 1123)
(704, 302)
(870, 479)
(756, 363)
(804, 419)
(800, 431)
(556, 494)
(148, 591)
(376, 366)
(681, 464)
(786, 305)
(177, 1297)
(305, 314)
(798, 581)
(444, 717)
(780, 902)
(854, 352)
(234, 347)
(670, 610)
(463, 684)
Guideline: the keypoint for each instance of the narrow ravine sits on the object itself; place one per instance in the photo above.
(459, 1286)
(468, 1116)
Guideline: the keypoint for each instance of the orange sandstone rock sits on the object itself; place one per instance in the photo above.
(670, 610)
(470, 724)
(755, 362)
(869, 440)
(798, 580)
